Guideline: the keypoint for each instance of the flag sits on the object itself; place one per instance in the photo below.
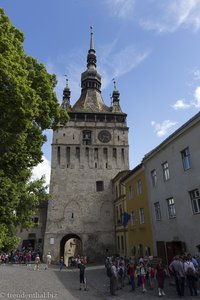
(126, 218)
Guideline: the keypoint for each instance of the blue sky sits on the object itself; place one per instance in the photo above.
(151, 47)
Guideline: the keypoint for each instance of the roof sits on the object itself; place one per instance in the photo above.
(175, 134)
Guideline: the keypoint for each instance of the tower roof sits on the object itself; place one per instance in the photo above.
(90, 99)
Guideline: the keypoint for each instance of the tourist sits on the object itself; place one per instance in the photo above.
(61, 263)
(177, 269)
(82, 275)
(190, 272)
(160, 273)
(37, 262)
(48, 257)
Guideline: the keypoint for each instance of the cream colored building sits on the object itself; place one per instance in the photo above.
(173, 182)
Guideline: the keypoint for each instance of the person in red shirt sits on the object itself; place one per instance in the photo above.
(131, 275)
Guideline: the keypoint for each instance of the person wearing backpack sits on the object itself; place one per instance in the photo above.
(121, 275)
(177, 269)
(190, 272)
(113, 278)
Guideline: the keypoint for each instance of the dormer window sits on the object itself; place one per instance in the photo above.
(87, 137)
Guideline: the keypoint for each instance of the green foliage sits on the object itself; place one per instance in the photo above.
(28, 106)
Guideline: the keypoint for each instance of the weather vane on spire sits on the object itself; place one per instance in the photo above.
(114, 81)
(91, 29)
(66, 80)
(91, 38)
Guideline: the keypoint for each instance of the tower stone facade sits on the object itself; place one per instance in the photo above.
(86, 154)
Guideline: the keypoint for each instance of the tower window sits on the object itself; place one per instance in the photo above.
(122, 154)
(99, 186)
(114, 153)
(95, 153)
(78, 152)
(87, 153)
(68, 155)
(105, 153)
(58, 155)
(87, 137)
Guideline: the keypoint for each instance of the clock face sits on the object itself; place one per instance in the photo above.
(104, 136)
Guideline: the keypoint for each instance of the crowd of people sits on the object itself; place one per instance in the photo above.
(25, 256)
(143, 272)
(150, 273)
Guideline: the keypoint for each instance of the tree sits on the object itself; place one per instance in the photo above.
(28, 106)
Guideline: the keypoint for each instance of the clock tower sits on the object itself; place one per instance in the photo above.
(86, 154)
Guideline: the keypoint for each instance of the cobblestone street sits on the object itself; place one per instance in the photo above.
(21, 282)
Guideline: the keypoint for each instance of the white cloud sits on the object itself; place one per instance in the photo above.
(41, 169)
(173, 15)
(123, 9)
(181, 104)
(197, 97)
(163, 128)
(116, 64)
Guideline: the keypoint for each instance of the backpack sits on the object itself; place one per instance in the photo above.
(190, 272)
(108, 271)
(121, 272)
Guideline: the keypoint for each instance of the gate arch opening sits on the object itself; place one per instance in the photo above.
(70, 246)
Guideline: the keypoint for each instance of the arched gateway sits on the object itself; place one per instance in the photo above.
(70, 246)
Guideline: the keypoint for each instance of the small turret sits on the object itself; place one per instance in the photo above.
(115, 99)
(66, 96)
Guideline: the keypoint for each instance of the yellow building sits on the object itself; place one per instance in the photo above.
(139, 231)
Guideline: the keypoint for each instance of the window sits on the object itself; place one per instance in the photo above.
(35, 220)
(77, 154)
(130, 194)
(87, 137)
(122, 242)
(114, 153)
(96, 156)
(122, 154)
(141, 211)
(186, 159)
(171, 208)
(58, 155)
(139, 187)
(31, 236)
(68, 155)
(99, 186)
(117, 215)
(147, 251)
(134, 250)
(105, 153)
(140, 250)
(157, 211)
(153, 177)
(116, 191)
(165, 168)
(118, 243)
(195, 198)
(87, 154)
(132, 218)
(120, 214)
